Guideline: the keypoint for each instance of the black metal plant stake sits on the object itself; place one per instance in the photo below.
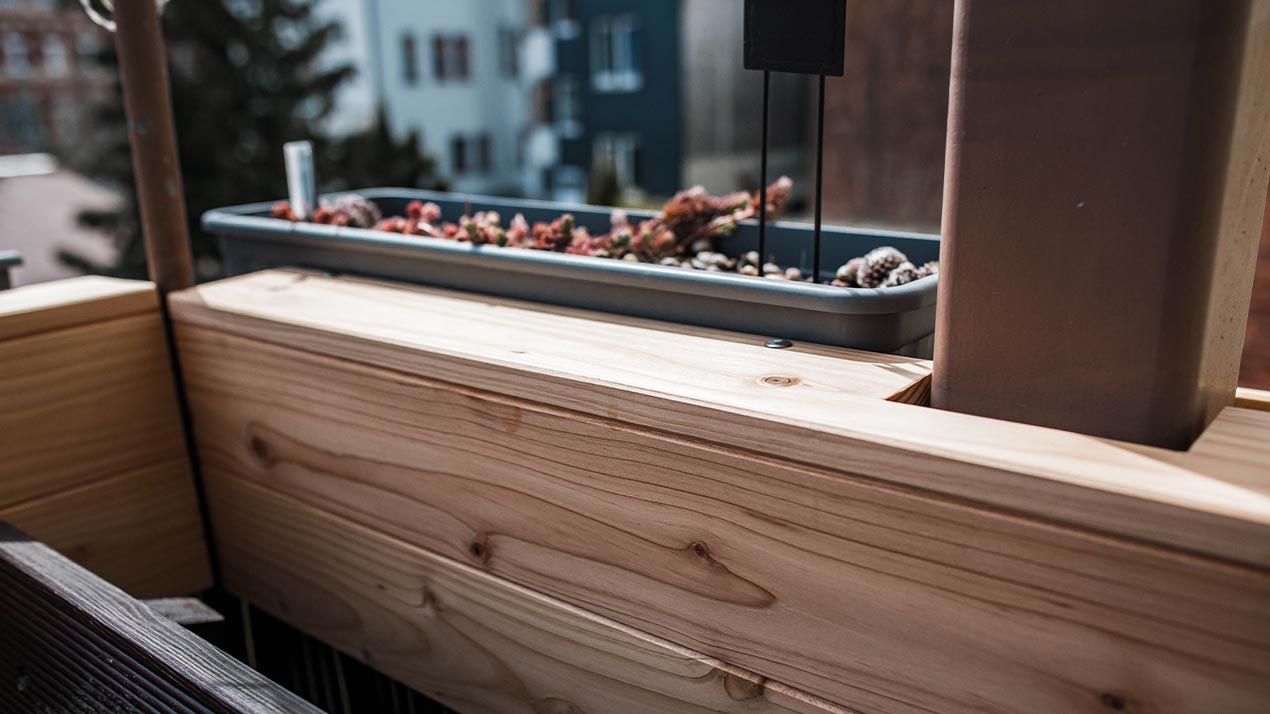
(804, 37)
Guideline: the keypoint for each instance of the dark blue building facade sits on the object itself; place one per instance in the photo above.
(617, 93)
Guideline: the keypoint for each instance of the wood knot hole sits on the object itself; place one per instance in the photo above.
(700, 550)
(260, 448)
(1114, 702)
(479, 550)
(776, 380)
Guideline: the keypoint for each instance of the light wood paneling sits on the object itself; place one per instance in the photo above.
(83, 403)
(139, 530)
(470, 640)
(1258, 399)
(66, 303)
(92, 450)
(719, 388)
(879, 597)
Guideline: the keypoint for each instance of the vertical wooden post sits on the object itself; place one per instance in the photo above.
(161, 198)
(1106, 167)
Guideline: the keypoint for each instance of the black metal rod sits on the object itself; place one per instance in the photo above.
(820, 177)
(762, 181)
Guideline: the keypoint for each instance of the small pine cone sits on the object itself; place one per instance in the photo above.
(931, 268)
(904, 274)
(878, 264)
(849, 274)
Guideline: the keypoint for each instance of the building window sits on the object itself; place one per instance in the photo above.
(623, 152)
(20, 122)
(56, 57)
(543, 100)
(409, 60)
(614, 54)
(563, 18)
(451, 57)
(484, 153)
(568, 184)
(509, 51)
(458, 154)
(567, 106)
(17, 62)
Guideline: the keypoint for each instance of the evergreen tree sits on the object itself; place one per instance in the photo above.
(245, 78)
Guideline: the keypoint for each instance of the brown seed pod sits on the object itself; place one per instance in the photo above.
(902, 275)
(878, 264)
(849, 273)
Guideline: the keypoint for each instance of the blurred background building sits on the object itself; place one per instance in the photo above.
(48, 80)
(609, 101)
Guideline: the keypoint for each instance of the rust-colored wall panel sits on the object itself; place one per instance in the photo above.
(886, 119)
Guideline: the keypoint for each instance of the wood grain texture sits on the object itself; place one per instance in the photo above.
(83, 403)
(73, 643)
(76, 301)
(92, 450)
(606, 368)
(1258, 399)
(472, 641)
(877, 597)
(139, 530)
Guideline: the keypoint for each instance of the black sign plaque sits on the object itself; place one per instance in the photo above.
(802, 36)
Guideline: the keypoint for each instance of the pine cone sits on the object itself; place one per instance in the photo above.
(931, 268)
(849, 274)
(904, 274)
(878, 264)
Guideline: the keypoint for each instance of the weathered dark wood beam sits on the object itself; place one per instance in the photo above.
(70, 642)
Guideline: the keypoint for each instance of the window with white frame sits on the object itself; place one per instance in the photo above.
(615, 54)
(567, 106)
(563, 18)
(458, 154)
(451, 58)
(17, 62)
(409, 60)
(622, 151)
(56, 56)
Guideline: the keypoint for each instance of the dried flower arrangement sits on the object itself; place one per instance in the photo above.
(683, 235)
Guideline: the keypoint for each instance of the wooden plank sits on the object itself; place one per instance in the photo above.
(642, 354)
(878, 597)
(1247, 398)
(668, 381)
(469, 640)
(75, 301)
(74, 643)
(139, 530)
(85, 402)
(1072, 126)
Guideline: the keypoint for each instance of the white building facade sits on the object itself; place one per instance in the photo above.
(461, 74)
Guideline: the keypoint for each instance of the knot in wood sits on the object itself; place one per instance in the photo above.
(776, 380)
(260, 448)
(479, 549)
(1114, 702)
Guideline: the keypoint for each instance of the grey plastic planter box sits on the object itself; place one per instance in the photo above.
(899, 319)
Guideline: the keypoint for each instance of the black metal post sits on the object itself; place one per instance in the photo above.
(762, 181)
(820, 177)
